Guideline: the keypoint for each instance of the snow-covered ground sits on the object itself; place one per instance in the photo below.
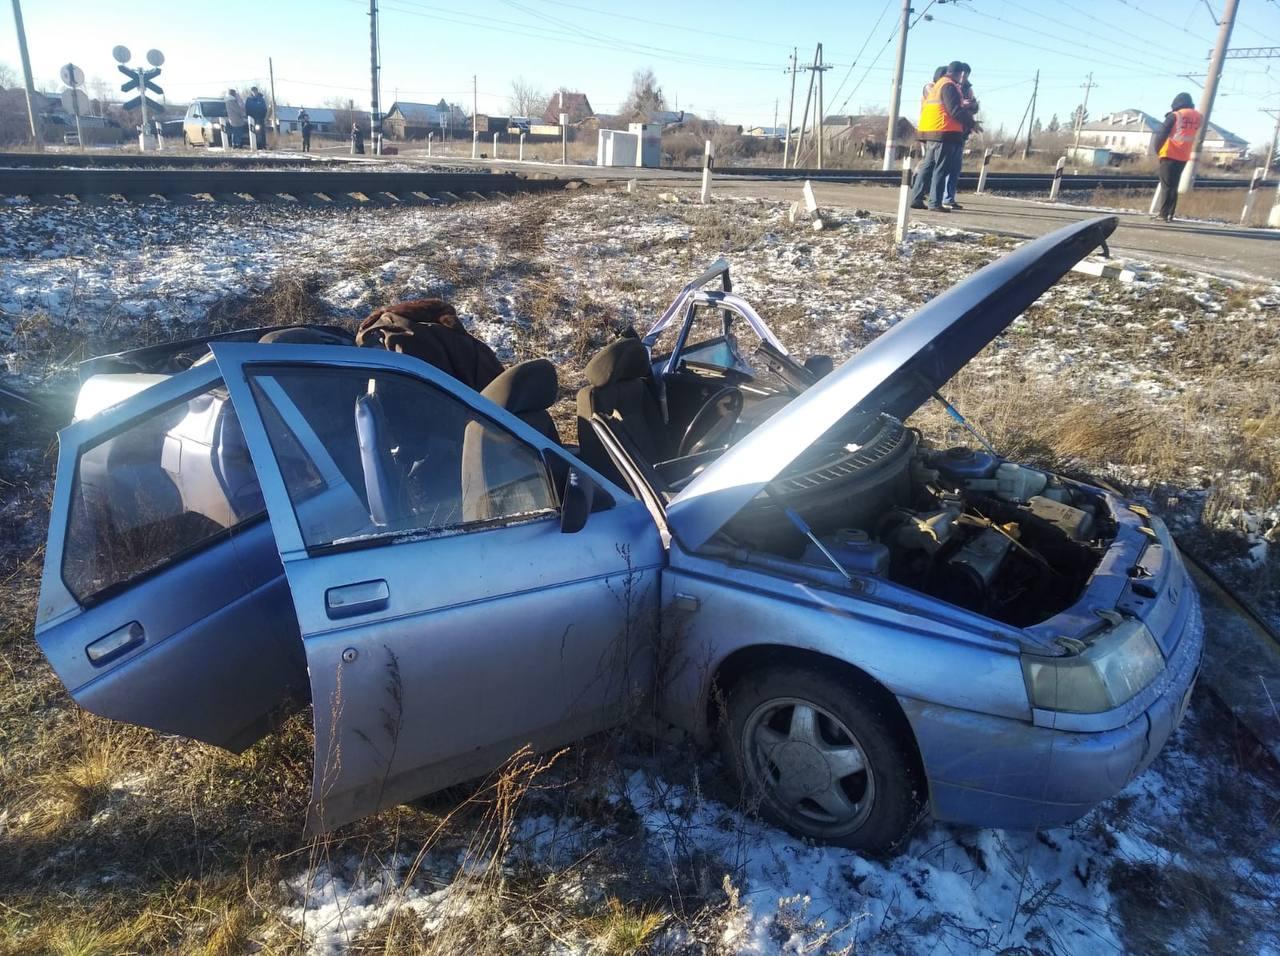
(1186, 858)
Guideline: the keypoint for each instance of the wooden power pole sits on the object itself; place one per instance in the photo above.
(33, 111)
(791, 109)
(1031, 120)
(1084, 112)
(1188, 181)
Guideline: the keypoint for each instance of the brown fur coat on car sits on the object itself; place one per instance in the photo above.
(429, 329)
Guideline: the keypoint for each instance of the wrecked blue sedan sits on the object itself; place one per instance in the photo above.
(756, 548)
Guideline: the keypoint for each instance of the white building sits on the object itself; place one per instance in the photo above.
(1133, 133)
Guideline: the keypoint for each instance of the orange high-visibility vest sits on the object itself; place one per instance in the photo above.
(1186, 123)
(934, 117)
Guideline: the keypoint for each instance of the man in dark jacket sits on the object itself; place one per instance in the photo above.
(943, 120)
(357, 139)
(1175, 141)
(970, 102)
(255, 105)
(304, 126)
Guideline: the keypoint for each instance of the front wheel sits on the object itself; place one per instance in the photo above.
(824, 761)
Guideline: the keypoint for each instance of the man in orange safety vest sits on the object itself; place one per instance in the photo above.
(943, 121)
(1174, 143)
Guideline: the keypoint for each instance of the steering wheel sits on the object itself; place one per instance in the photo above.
(714, 421)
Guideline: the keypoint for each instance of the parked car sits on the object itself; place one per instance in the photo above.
(200, 125)
(758, 546)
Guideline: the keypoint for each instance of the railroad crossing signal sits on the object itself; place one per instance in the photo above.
(141, 78)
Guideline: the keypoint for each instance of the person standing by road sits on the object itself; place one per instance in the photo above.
(255, 105)
(237, 118)
(969, 102)
(304, 126)
(943, 119)
(1174, 142)
(357, 139)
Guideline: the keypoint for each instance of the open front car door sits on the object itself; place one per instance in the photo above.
(455, 598)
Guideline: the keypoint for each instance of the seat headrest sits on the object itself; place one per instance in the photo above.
(620, 361)
(300, 335)
(528, 387)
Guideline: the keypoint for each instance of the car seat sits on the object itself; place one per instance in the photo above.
(497, 479)
(527, 390)
(620, 388)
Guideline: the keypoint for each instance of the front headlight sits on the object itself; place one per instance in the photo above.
(1110, 672)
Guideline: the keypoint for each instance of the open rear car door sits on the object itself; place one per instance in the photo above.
(163, 602)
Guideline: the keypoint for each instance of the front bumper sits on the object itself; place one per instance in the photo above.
(994, 771)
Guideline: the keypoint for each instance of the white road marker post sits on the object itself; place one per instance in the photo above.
(708, 159)
(253, 135)
(904, 200)
(1274, 218)
(475, 144)
(1253, 195)
(1057, 179)
(982, 175)
(430, 135)
(495, 145)
(811, 207)
(564, 136)
(522, 147)
(1156, 199)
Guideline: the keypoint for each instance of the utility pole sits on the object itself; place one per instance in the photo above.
(822, 132)
(895, 99)
(275, 118)
(1275, 144)
(1084, 111)
(33, 112)
(1031, 120)
(791, 109)
(375, 121)
(475, 101)
(804, 121)
(775, 114)
(1188, 181)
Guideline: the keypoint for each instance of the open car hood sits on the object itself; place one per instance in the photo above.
(895, 374)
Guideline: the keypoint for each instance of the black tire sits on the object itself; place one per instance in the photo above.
(886, 796)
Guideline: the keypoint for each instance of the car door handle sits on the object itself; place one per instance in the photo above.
(110, 646)
(360, 598)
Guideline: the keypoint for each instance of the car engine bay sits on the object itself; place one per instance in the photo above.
(1012, 542)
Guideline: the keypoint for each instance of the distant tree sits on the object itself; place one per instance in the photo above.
(100, 90)
(645, 97)
(1054, 125)
(1037, 126)
(1079, 116)
(8, 77)
(526, 99)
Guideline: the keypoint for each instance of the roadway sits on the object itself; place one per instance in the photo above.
(1232, 252)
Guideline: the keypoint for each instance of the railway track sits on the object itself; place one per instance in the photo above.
(316, 187)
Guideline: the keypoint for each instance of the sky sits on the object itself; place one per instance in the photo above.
(724, 58)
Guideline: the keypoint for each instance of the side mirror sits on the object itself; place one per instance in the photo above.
(575, 504)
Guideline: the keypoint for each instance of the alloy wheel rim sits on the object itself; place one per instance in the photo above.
(809, 764)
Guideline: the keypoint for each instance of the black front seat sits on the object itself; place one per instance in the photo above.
(620, 388)
(527, 390)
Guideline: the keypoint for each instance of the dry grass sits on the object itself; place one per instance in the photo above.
(116, 840)
(1218, 205)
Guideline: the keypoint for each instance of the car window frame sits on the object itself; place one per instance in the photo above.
(185, 553)
(237, 359)
(57, 601)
